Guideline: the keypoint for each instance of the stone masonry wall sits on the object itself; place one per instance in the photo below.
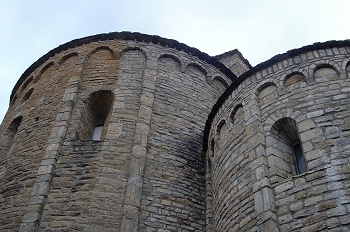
(91, 176)
(174, 172)
(19, 166)
(312, 89)
(147, 171)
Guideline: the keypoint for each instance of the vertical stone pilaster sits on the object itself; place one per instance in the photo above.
(209, 200)
(264, 199)
(138, 157)
(41, 188)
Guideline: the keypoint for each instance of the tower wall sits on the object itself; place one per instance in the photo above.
(252, 172)
(147, 170)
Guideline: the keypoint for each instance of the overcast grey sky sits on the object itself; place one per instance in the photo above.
(259, 29)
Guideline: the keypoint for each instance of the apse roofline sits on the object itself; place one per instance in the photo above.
(261, 66)
(125, 35)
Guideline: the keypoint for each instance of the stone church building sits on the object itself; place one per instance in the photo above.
(132, 132)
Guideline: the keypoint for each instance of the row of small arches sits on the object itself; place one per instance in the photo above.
(115, 55)
(23, 90)
(183, 67)
(233, 119)
(289, 82)
(29, 82)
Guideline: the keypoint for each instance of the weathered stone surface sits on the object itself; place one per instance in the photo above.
(149, 169)
(299, 90)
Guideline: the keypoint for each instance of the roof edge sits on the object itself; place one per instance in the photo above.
(125, 35)
(259, 67)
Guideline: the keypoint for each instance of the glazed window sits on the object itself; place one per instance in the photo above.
(97, 132)
(96, 115)
(299, 159)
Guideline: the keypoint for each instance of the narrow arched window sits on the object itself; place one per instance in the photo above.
(286, 153)
(222, 127)
(8, 137)
(96, 115)
(212, 148)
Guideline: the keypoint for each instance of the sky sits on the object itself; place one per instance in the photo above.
(258, 29)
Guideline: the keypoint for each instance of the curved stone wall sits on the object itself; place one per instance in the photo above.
(253, 179)
(105, 133)
(151, 98)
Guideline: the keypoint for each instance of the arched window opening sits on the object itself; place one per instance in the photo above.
(7, 139)
(212, 147)
(96, 115)
(287, 156)
(221, 129)
(236, 113)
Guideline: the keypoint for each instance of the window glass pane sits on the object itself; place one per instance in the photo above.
(299, 157)
(97, 133)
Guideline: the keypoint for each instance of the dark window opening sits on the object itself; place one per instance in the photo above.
(299, 159)
(286, 150)
(8, 137)
(96, 115)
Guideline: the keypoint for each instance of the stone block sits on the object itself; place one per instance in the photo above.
(306, 125)
(285, 219)
(31, 217)
(311, 134)
(145, 113)
(339, 211)
(305, 212)
(326, 205)
(284, 186)
(47, 169)
(313, 200)
(315, 227)
(315, 114)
